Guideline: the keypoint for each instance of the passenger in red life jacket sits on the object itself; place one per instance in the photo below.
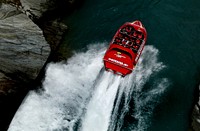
(140, 36)
(135, 34)
(117, 40)
(123, 30)
(130, 44)
(138, 41)
(136, 47)
(119, 35)
(123, 41)
(128, 29)
(126, 38)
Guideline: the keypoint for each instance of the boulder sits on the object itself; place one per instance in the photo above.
(46, 14)
(35, 7)
(23, 53)
(23, 47)
(25, 29)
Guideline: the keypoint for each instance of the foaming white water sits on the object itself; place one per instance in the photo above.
(67, 87)
(97, 117)
(132, 88)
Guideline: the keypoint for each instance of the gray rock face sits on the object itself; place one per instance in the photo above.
(22, 45)
(37, 7)
(44, 13)
(23, 53)
(196, 116)
(23, 48)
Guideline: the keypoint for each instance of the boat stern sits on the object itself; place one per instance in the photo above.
(118, 61)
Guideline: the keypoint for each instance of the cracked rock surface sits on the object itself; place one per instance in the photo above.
(23, 53)
(22, 45)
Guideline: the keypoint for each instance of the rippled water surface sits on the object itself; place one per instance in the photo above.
(173, 27)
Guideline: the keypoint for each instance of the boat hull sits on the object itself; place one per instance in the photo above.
(125, 48)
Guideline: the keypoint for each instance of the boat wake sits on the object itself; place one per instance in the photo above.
(97, 116)
(80, 95)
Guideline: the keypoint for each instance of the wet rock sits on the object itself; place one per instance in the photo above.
(24, 49)
(23, 52)
(47, 14)
(35, 7)
(55, 29)
(22, 45)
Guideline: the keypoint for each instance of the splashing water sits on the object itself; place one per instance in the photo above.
(67, 87)
(98, 113)
(74, 92)
(132, 88)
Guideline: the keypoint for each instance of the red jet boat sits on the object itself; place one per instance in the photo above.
(125, 48)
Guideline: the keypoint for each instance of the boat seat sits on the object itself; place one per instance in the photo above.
(133, 39)
(123, 31)
(120, 44)
(134, 50)
(130, 44)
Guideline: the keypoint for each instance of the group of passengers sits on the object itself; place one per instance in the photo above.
(130, 38)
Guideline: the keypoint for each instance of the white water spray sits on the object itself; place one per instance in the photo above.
(132, 88)
(68, 87)
(99, 110)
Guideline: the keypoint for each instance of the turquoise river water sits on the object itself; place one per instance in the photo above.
(173, 27)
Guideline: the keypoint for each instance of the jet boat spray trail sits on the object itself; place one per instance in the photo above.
(99, 109)
(67, 90)
(103, 117)
(132, 89)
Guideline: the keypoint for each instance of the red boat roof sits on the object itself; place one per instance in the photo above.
(125, 48)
